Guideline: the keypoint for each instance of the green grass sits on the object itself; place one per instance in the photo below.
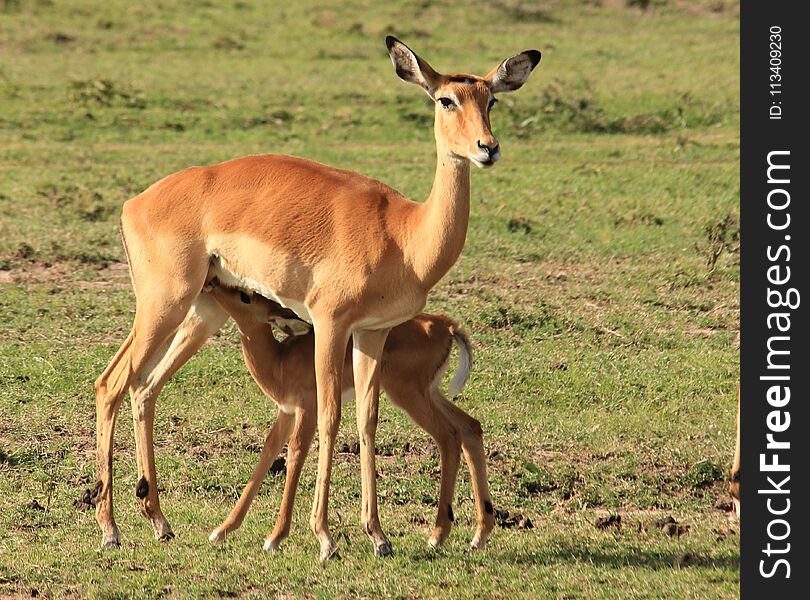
(604, 336)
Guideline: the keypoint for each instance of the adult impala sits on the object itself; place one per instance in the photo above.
(346, 253)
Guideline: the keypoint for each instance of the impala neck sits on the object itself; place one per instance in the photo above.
(443, 219)
(263, 357)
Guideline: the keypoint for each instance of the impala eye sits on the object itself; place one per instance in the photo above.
(492, 103)
(446, 102)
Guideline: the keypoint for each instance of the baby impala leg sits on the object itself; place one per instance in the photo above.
(472, 442)
(305, 423)
(427, 415)
(276, 438)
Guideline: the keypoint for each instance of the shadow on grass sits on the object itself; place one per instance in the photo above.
(648, 559)
(618, 559)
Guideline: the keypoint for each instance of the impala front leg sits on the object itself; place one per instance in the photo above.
(330, 352)
(368, 348)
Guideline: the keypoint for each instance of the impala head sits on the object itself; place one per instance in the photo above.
(463, 102)
(276, 315)
(252, 307)
(267, 311)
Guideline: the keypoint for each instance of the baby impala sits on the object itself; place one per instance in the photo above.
(414, 359)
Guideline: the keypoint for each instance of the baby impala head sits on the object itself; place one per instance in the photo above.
(463, 102)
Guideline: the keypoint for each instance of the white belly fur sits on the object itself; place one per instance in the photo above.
(231, 279)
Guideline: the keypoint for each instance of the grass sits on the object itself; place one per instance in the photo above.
(599, 285)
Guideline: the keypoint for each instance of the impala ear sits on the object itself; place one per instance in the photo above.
(512, 73)
(412, 68)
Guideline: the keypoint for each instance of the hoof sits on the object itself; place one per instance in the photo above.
(481, 538)
(218, 535)
(438, 536)
(272, 545)
(328, 551)
(110, 543)
(477, 543)
(162, 530)
(384, 549)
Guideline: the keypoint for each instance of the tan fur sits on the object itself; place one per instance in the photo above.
(415, 353)
(347, 253)
(734, 483)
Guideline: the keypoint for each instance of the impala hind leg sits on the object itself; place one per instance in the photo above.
(330, 353)
(419, 407)
(153, 325)
(368, 348)
(472, 442)
(273, 443)
(109, 392)
(297, 450)
(203, 319)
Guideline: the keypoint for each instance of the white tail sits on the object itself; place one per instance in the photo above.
(464, 363)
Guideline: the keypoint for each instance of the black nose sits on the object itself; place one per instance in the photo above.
(490, 150)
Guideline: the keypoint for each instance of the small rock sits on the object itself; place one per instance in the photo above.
(725, 533)
(77, 480)
(661, 523)
(669, 526)
(85, 501)
(59, 37)
(684, 560)
(532, 488)
(506, 521)
(723, 504)
(675, 529)
(502, 519)
(279, 466)
(34, 505)
(603, 523)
